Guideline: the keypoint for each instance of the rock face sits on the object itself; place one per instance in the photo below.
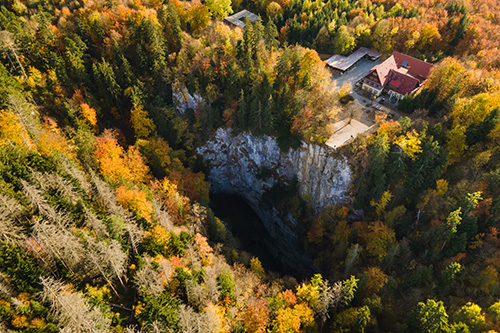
(247, 166)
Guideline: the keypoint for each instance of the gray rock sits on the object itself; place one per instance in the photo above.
(237, 165)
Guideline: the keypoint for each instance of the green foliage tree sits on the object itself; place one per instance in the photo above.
(161, 309)
(220, 8)
(20, 267)
(344, 42)
(431, 316)
(227, 285)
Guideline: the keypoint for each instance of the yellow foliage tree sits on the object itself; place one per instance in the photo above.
(456, 144)
(286, 322)
(391, 128)
(142, 124)
(175, 203)
(11, 130)
(136, 163)
(216, 313)
(256, 267)
(441, 187)
(51, 141)
(382, 203)
(135, 200)
(376, 280)
(345, 90)
(256, 316)
(379, 239)
(157, 148)
(157, 239)
(308, 294)
(473, 110)
(410, 143)
(445, 77)
(291, 320)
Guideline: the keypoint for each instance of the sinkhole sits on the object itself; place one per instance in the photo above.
(247, 227)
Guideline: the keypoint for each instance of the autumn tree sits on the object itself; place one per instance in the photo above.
(220, 8)
(142, 124)
(136, 201)
(13, 132)
(115, 163)
(431, 316)
(471, 315)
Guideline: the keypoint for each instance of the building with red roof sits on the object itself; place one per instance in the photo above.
(376, 79)
(400, 84)
(416, 68)
(398, 75)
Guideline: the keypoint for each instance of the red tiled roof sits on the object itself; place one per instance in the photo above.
(395, 83)
(401, 83)
(384, 68)
(417, 68)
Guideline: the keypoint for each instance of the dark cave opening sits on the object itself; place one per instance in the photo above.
(247, 227)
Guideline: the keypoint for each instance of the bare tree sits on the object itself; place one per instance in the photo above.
(329, 296)
(59, 243)
(108, 258)
(52, 181)
(191, 321)
(7, 43)
(36, 199)
(352, 256)
(197, 294)
(162, 216)
(71, 310)
(246, 282)
(212, 288)
(6, 289)
(10, 212)
(108, 198)
(73, 169)
(27, 113)
(41, 206)
(193, 258)
(188, 319)
(95, 223)
(154, 327)
(147, 280)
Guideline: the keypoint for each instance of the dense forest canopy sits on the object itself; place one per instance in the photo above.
(105, 223)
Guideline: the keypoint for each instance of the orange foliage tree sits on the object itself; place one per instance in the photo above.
(135, 200)
(51, 141)
(256, 316)
(115, 163)
(89, 115)
(191, 184)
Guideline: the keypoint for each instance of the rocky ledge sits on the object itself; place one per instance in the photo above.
(248, 166)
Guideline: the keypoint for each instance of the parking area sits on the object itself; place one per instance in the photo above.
(346, 130)
(359, 71)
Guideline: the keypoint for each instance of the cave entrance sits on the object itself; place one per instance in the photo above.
(248, 229)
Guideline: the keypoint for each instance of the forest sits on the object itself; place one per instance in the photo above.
(105, 218)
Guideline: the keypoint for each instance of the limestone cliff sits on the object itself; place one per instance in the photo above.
(247, 166)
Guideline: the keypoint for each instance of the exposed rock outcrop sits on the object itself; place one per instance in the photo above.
(247, 166)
